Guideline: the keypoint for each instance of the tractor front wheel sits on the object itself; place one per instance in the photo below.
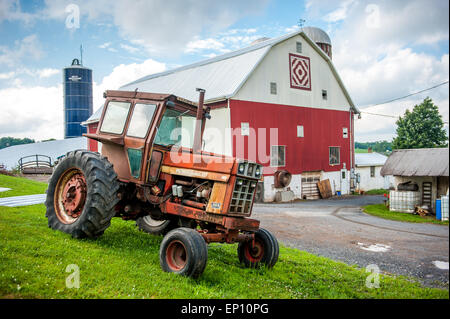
(263, 250)
(183, 251)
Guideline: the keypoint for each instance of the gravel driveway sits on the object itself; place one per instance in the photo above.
(338, 229)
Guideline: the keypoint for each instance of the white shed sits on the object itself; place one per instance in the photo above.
(368, 166)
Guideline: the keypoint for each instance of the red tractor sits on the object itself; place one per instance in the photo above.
(190, 196)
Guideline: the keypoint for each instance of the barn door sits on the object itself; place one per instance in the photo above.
(310, 190)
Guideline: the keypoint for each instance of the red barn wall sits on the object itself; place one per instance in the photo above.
(322, 128)
(92, 144)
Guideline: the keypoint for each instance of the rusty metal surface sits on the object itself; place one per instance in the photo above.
(230, 223)
(417, 162)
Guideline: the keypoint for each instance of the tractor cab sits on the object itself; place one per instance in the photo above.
(137, 125)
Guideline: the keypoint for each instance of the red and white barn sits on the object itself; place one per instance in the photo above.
(287, 83)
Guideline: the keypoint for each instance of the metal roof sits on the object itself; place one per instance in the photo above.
(10, 156)
(369, 159)
(221, 76)
(417, 162)
(317, 35)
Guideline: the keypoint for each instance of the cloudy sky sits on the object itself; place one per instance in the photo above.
(382, 49)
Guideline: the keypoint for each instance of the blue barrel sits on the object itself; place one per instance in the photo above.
(438, 209)
(78, 105)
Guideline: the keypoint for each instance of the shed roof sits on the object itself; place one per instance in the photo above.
(369, 159)
(10, 156)
(417, 162)
(221, 76)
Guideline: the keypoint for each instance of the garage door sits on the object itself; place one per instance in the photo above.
(310, 190)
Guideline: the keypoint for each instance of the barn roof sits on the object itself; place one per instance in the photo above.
(221, 76)
(369, 159)
(417, 162)
(10, 156)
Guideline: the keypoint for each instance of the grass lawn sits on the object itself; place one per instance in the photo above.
(20, 186)
(124, 263)
(379, 191)
(380, 210)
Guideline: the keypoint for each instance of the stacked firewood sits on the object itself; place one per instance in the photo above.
(422, 211)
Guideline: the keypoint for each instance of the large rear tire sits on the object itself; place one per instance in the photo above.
(264, 251)
(183, 251)
(82, 195)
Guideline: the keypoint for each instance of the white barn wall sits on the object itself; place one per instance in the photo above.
(296, 185)
(217, 135)
(367, 182)
(275, 68)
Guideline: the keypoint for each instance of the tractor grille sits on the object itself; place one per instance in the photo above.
(242, 200)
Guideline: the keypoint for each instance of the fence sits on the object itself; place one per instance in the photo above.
(36, 164)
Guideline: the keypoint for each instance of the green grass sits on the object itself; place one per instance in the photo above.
(20, 186)
(380, 210)
(379, 191)
(124, 263)
(361, 150)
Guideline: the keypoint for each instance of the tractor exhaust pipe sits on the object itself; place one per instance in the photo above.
(197, 146)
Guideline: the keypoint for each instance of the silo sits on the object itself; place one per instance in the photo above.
(77, 82)
(320, 37)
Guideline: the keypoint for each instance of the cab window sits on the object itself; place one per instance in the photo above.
(141, 120)
(115, 117)
(176, 127)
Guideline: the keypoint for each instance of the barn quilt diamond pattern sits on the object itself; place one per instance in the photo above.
(300, 72)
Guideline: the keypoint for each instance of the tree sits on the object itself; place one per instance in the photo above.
(11, 141)
(421, 128)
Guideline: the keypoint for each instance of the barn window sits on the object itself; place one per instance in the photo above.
(345, 132)
(299, 47)
(300, 131)
(277, 155)
(335, 155)
(324, 95)
(273, 88)
(245, 129)
(372, 171)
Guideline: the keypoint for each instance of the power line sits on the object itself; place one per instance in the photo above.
(400, 98)
(403, 97)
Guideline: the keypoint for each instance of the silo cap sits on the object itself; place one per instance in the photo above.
(317, 35)
(76, 62)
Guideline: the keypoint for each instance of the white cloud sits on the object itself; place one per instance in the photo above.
(207, 44)
(7, 75)
(25, 49)
(384, 50)
(48, 72)
(10, 10)
(159, 25)
(123, 74)
(38, 114)
(104, 45)
(129, 48)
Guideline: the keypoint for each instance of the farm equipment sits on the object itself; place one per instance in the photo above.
(143, 173)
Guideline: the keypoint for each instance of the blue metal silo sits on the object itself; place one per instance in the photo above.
(77, 98)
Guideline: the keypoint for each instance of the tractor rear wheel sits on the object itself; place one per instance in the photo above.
(183, 251)
(82, 194)
(154, 226)
(263, 250)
